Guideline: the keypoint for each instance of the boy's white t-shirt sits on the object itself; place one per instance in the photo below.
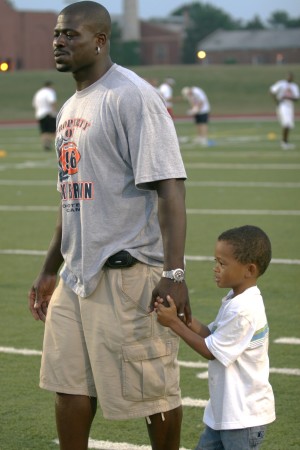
(240, 393)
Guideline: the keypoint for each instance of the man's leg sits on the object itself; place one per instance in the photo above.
(285, 134)
(164, 430)
(74, 417)
(47, 141)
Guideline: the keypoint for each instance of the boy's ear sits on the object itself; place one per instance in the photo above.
(252, 271)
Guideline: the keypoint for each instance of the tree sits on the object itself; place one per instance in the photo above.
(202, 19)
(281, 19)
(255, 24)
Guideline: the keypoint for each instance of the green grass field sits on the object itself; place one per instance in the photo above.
(244, 178)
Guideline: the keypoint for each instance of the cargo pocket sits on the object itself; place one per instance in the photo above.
(150, 369)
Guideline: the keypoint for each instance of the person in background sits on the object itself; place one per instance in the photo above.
(166, 91)
(285, 94)
(236, 344)
(120, 239)
(200, 110)
(44, 103)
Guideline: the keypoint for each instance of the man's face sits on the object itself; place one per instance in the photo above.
(74, 44)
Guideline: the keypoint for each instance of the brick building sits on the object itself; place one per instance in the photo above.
(252, 46)
(26, 37)
(160, 44)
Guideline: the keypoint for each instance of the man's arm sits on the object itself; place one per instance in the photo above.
(42, 289)
(172, 220)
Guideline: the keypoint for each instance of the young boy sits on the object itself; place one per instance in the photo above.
(236, 344)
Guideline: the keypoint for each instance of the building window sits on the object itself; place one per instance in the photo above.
(161, 54)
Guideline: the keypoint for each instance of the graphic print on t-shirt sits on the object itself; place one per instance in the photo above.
(69, 158)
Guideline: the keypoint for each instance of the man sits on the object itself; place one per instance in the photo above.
(44, 103)
(166, 91)
(285, 93)
(120, 236)
(200, 109)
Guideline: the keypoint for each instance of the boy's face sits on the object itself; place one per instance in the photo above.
(229, 273)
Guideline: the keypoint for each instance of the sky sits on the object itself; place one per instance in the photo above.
(238, 9)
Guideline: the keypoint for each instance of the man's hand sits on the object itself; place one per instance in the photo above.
(39, 296)
(179, 293)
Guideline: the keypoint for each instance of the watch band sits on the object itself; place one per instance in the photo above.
(177, 275)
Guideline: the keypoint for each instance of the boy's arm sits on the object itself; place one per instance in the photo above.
(193, 335)
(199, 328)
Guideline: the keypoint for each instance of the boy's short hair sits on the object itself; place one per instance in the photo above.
(250, 245)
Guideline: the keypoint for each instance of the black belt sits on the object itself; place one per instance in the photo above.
(120, 260)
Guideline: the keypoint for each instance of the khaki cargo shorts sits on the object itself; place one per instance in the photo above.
(109, 346)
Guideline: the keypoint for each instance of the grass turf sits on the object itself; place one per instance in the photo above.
(242, 154)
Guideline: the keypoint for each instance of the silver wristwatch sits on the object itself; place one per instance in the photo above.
(177, 275)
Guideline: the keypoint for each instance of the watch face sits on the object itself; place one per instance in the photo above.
(178, 275)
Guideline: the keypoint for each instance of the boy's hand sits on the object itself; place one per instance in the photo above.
(166, 315)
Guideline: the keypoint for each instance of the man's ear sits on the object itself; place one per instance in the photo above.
(101, 39)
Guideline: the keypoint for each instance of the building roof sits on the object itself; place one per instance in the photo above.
(251, 39)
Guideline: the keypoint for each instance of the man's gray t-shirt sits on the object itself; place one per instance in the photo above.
(113, 139)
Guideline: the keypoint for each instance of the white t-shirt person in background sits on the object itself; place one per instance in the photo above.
(285, 93)
(44, 103)
(166, 91)
(199, 109)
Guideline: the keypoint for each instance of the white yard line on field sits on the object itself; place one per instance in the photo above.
(44, 164)
(242, 212)
(31, 208)
(196, 258)
(27, 182)
(257, 184)
(246, 166)
(287, 340)
(107, 445)
(211, 258)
